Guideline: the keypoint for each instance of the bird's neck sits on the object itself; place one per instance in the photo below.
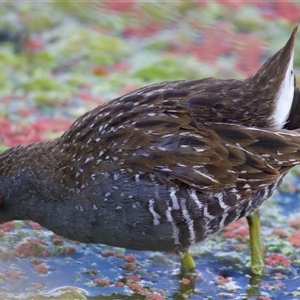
(32, 170)
(32, 179)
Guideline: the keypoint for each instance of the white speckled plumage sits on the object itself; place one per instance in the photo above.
(164, 167)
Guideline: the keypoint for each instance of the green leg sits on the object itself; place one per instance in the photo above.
(188, 265)
(257, 263)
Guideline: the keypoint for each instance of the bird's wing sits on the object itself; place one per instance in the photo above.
(211, 157)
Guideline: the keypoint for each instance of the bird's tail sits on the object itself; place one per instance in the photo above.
(293, 121)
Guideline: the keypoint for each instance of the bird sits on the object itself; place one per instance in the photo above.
(164, 167)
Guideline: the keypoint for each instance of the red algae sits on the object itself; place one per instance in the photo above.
(119, 284)
(275, 259)
(279, 232)
(41, 268)
(133, 278)
(155, 297)
(236, 229)
(108, 253)
(264, 298)
(136, 287)
(295, 223)
(130, 258)
(129, 266)
(123, 6)
(13, 134)
(37, 240)
(241, 234)
(185, 281)
(121, 256)
(272, 287)
(58, 240)
(101, 282)
(37, 285)
(149, 293)
(100, 71)
(34, 225)
(8, 226)
(141, 31)
(278, 275)
(31, 247)
(14, 274)
(221, 280)
(35, 261)
(295, 238)
(65, 250)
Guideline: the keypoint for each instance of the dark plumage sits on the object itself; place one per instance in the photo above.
(164, 167)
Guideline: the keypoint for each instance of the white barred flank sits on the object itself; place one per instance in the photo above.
(189, 221)
(221, 202)
(155, 215)
(174, 226)
(193, 195)
(174, 199)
